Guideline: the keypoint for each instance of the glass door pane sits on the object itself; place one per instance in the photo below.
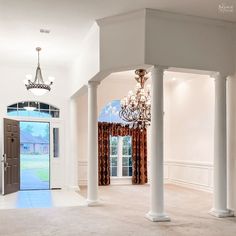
(126, 156)
(34, 155)
(114, 156)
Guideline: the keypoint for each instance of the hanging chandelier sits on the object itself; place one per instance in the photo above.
(37, 86)
(136, 107)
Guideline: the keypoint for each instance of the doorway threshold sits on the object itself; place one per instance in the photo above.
(41, 199)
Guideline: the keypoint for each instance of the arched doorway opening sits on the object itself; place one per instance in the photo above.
(120, 146)
(122, 151)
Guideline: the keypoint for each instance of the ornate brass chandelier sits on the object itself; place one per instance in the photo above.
(136, 107)
(37, 86)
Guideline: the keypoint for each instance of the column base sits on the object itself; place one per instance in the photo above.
(91, 203)
(157, 217)
(221, 213)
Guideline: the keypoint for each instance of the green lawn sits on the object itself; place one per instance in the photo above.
(37, 163)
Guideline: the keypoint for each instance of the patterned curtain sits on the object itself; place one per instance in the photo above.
(119, 129)
(103, 153)
(139, 156)
(139, 151)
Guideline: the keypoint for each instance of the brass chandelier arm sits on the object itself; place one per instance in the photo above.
(126, 115)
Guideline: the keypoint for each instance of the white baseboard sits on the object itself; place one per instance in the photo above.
(189, 185)
(83, 182)
(121, 180)
(75, 188)
(114, 181)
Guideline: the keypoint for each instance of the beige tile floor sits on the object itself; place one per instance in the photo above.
(41, 199)
(121, 212)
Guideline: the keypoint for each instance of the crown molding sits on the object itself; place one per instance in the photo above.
(122, 17)
(154, 13)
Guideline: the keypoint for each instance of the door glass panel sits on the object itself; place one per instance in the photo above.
(127, 156)
(113, 155)
(114, 171)
(125, 171)
(125, 161)
(34, 155)
(55, 142)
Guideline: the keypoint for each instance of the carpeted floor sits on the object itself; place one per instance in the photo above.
(121, 213)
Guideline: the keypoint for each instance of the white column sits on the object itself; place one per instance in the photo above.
(156, 212)
(231, 161)
(92, 194)
(220, 150)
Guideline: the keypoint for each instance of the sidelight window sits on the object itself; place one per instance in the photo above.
(55, 142)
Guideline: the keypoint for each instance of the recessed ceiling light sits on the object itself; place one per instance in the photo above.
(45, 31)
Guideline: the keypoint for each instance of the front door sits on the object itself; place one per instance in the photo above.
(11, 156)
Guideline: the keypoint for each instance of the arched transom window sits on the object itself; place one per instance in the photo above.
(110, 113)
(33, 109)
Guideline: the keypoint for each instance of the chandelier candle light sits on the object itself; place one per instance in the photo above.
(38, 87)
(136, 107)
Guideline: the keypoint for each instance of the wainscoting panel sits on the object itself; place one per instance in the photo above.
(195, 175)
(82, 173)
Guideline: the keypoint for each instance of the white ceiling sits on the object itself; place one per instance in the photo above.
(70, 20)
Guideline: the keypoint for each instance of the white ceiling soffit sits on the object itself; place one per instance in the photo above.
(70, 20)
(169, 76)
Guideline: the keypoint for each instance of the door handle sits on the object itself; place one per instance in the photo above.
(5, 162)
(6, 166)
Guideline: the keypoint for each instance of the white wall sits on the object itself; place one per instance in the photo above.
(189, 156)
(189, 42)
(231, 143)
(87, 65)
(232, 136)
(13, 90)
(122, 40)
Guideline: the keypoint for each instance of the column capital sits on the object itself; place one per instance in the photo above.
(160, 68)
(93, 84)
(218, 75)
(215, 74)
